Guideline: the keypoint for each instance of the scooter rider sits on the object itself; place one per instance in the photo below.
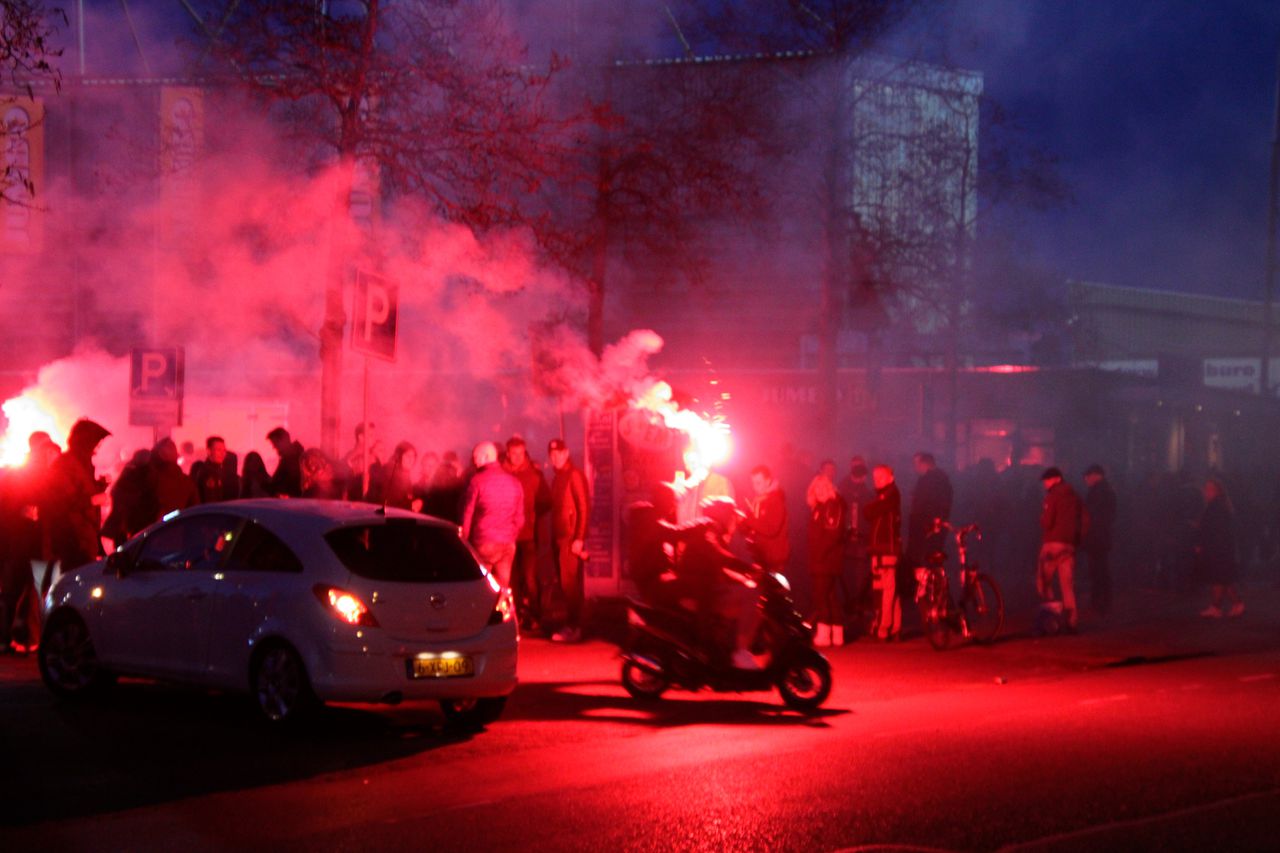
(654, 541)
(719, 581)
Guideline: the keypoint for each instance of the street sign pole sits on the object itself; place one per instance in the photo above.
(364, 432)
(373, 333)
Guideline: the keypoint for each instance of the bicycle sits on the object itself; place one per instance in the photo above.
(978, 616)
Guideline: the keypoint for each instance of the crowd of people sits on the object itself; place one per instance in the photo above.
(57, 512)
(691, 546)
(864, 543)
(866, 546)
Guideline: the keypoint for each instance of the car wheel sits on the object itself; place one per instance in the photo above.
(472, 713)
(280, 684)
(68, 663)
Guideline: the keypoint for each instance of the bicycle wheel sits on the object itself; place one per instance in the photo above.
(983, 609)
(938, 624)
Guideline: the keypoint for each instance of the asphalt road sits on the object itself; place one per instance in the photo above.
(1155, 730)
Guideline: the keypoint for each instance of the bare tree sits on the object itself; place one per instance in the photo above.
(27, 29)
(892, 144)
(835, 36)
(678, 149)
(431, 98)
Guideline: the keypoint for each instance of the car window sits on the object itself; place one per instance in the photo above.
(259, 550)
(405, 550)
(193, 543)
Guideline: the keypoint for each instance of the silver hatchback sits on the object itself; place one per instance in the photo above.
(296, 601)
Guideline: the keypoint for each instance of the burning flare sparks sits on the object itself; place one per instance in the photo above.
(710, 441)
(25, 415)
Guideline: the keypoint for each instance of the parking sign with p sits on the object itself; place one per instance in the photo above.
(156, 386)
(373, 327)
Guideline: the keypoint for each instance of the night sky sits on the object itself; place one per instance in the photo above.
(1161, 113)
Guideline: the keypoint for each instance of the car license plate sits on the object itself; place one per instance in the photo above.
(440, 667)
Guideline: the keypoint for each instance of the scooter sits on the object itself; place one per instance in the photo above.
(667, 648)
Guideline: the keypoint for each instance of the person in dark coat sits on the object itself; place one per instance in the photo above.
(526, 586)
(883, 523)
(74, 500)
(399, 489)
(931, 501)
(766, 524)
(857, 491)
(320, 478)
(1061, 524)
(1216, 560)
(570, 516)
(286, 480)
(216, 476)
(255, 482)
(131, 500)
(444, 494)
(827, 530)
(1100, 507)
(718, 581)
(364, 458)
(171, 489)
(652, 540)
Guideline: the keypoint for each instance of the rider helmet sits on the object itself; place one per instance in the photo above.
(721, 511)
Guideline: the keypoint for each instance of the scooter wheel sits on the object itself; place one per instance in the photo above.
(642, 683)
(805, 682)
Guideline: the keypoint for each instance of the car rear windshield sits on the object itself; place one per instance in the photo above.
(404, 551)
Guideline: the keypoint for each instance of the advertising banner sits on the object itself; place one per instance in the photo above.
(181, 142)
(22, 181)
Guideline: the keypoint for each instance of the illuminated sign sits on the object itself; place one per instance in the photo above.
(374, 314)
(1241, 374)
(156, 378)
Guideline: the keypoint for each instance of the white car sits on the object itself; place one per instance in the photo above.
(296, 601)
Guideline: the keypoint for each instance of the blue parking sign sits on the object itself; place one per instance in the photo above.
(156, 386)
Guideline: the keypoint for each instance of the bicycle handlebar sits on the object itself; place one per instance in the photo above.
(961, 533)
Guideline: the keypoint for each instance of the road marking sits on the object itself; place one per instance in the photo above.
(1266, 676)
(1098, 829)
(1119, 697)
(891, 848)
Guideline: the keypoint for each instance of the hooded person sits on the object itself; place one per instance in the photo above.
(171, 488)
(719, 581)
(74, 500)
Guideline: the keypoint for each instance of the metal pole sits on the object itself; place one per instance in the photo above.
(80, 32)
(1273, 210)
(368, 446)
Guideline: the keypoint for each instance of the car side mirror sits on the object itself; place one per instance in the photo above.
(118, 563)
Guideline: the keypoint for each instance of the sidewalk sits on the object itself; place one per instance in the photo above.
(1147, 626)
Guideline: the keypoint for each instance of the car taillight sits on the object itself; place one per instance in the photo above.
(345, 606)
(505, 608)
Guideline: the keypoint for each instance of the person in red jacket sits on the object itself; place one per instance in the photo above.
(1062, 526)
(882, 519)
(766, 523)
